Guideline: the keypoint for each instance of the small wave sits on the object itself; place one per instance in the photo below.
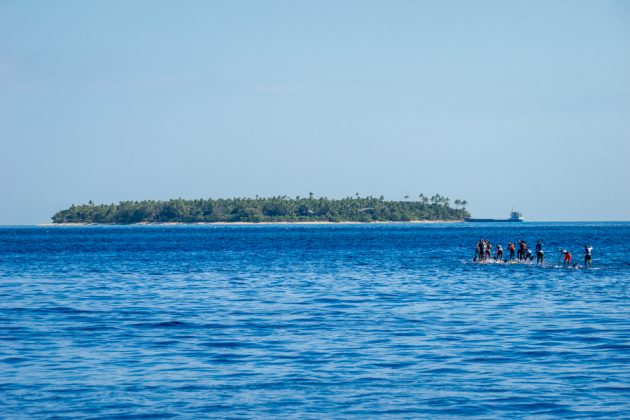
(164, 324)
(229, 344)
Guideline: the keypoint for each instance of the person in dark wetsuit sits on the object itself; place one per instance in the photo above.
(478, 251)
(540, 254)
(588, 257)
(499, 256)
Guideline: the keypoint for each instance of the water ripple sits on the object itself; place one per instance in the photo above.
(310, 322)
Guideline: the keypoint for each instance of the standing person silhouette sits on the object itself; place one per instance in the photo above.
(588, 256)
(567, 257)
(540, 254)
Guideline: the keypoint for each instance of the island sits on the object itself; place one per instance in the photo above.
(281, 209)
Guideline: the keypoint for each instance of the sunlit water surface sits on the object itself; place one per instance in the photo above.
(311, 322)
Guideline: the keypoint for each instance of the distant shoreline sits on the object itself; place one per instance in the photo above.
(266, 210)
(249, 223)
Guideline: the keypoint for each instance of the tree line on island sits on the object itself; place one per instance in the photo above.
(271, 209)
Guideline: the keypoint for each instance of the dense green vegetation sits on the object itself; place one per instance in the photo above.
(273, 209)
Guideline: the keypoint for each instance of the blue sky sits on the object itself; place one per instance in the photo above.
(504, 104)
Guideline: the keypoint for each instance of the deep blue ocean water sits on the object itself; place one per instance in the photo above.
(311, 322)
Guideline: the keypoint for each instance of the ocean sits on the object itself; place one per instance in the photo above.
(312, 321)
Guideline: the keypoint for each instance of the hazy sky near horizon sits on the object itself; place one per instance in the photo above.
(520, 104)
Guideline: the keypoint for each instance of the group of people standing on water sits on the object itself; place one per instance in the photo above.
(483, 253)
